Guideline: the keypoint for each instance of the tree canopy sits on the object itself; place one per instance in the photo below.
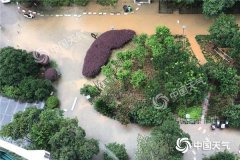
(160, 145)
(225, 155)
(20, 76)
(232, 114)
(215, 7)
(47, 129)
(223, 30)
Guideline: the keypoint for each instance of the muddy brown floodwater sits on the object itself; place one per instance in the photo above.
(52, 35)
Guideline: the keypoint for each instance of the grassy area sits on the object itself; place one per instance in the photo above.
(194, 112)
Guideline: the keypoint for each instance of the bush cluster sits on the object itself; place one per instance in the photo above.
(107, 2)
(52, 102)
(100, 51)
(19, 76)
(89, 90)
(55, 3)
(118, 150)
(47, 129)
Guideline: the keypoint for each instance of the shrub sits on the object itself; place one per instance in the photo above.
(223, 30)
(52, 102)
(147, 115)
(100, 51)
(81, 2)
(51, 74)
(105, 108)
(107, 2)
(35, 89)
(90, 90)
(194, 112)
(222, 156)
(118, 150)
(15, 65)
(138, 78)
(232, 114)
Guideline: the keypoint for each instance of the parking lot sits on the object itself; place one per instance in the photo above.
(8, 107)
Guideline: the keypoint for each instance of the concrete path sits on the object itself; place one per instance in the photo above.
(209, 141)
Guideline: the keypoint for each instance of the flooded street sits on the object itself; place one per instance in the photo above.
(66, 40)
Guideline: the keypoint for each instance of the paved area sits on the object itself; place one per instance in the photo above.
(209, 141)
(9, 107)
(66, 40)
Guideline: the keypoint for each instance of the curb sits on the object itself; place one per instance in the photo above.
(77, 15)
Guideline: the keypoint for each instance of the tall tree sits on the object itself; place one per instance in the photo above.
(223, 30)
(69, 143)
(160, 145)
(215, 7)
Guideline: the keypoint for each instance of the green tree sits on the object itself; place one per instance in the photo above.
(138, 78)
(235, 51)
(21, 124)
(222, 156)
(147, 115)
(49, 123)
(232, 114)
(15, 65)
(52, 102)
(47, 129)
(160, 145)
(35, 89)
(118, 150)
(107, 2)
(223, 78)
(69, 143)
(215, 7)
(223, 30)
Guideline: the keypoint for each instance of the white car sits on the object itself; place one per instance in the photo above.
(5, 1)
(28, 15)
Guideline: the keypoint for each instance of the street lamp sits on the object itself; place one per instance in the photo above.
(184, 27)
(184, 43)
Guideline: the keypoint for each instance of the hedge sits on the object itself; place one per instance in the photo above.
(101, 49)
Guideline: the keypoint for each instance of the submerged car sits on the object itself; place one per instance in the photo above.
(5, 1)
(28, 15)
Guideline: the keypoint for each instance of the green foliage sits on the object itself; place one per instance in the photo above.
(15, 65)
(223, 30)
(215, 7)
(48, 130)
(140, 39)
(138, 78)
(118, 150)
(148, 115)
(35, 89)
(218, 104)
(81, 2)
(90, 90)
(222, 156)
(194, 112)
(18, 76)
(232, 114)
(48, 124)
(223, 78)
(52, 102)
(160, 145)
(69, 143)
(234, 53)
(55, 3)
(21, 124)
(101, 105)
(107, 2)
